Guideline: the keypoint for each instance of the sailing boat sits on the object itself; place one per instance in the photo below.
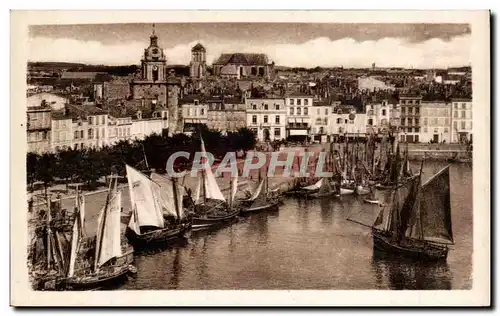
(417, 223)
(262, 199)
(157, 213)
(48, 253)
(211, 209)
(110, 259)
(371, 198)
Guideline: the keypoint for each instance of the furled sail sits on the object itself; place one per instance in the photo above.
(77, 232)
(197, 193)
(145, 211)
(234, 187)
(212, 190)
(108, 242)
(257, 192)
(435, 208)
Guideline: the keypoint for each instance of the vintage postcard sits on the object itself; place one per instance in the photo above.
(196, 158)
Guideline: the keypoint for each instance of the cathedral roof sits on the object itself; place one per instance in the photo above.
(198, 48)
(229, 69)
(243, 59)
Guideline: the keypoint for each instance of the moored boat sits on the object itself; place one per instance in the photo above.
(157, 217)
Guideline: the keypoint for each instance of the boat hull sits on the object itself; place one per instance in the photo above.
(382, 243)
(369, 201)
(160, 237)
(112, 279)
(274, 206)
(200, 223)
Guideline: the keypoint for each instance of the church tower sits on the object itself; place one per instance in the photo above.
(198, 65)
(154, 61)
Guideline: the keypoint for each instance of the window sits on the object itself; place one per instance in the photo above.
(306, 111)
(455, 124)
(265, 106)
(265, 118)
(370, 122)
(470, 125)
(383, 112)
(417, 101)
(416, 136)
(91, 119)
(292, 101)
(299, 101)
(76, 135)
(339, 120)
(403, 102)
(345, 121)
(254, 119)
(128, 131)
(277, 119)
(462, 125)
(425, 129)
(463, 114)
(455, 105)
(446, 129)
(425, 121)
(277, 132)
(90, 134)
(254, 106)
(103, 120)
(416, 122)
(277, 107)
(417, 111)
(298, 111)
(195, 102)
(464, 106)
(202, 111)
(403, 110)
(291, 111)
(326, 111)
(81, 134)
(317, 111)
(446, 121)
(455, 114)
(410, 122)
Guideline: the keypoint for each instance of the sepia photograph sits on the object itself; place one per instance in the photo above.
(244, 152)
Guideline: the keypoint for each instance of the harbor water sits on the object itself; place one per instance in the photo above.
(308, 244)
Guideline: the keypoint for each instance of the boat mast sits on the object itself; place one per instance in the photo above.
(176, 196)
(420, 213)
(48, 232)
(101, 227)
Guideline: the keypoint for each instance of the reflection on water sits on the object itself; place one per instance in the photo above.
(400, 274)
(309, 244)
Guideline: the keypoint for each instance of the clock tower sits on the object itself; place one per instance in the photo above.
(154, 83)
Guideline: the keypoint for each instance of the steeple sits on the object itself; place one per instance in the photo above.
(153, 37)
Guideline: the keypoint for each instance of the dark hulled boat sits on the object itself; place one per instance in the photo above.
(157, 214)
(417, 221)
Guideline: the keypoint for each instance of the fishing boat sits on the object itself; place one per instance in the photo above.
(371, 199)
(210, 207)
(261, 200)
(417, 220)
(157, 214)
(104, 259)
(47, 259)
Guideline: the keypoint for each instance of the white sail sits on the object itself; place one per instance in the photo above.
(315, 186)
(145, 211)
(74, 247)
(234, 188)
(212, 190)
(257, 191)
(197, 193)
(108, 242)
(80, 206)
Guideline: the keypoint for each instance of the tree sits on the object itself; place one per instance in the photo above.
(68, 165)
(45, 168)
(31, 165)
(246, 139)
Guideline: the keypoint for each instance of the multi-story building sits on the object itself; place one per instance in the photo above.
(227, 116)
(194, 112)
(461, 120)
(62, 130)
(321, 116)
(147, 122)
(38, 128)
(346, 122)
(298, 116)
(266, 117)
(410, 118)
(380, 117)
(436, 121)
(97, 129)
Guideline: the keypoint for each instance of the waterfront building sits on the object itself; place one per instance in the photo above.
(436, 121)
(198, 65)
(461, 120)
(61, 130)
(382, 116)
(194, 113)
(147, 122)
(347, 122)
(241, 65)
(89, 126)
(298, 125)
(410, 118)
(266, 117)
(38, 127)
(321, 116)
(227, 116)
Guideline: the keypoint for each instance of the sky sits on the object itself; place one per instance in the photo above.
(287, 44)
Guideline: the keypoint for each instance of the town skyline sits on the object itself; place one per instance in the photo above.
(421, 46)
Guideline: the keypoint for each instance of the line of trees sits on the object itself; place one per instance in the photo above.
(89, 165)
